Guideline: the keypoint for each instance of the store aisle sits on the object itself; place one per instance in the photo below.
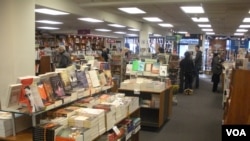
(195, 118)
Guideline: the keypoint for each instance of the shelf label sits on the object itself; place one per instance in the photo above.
(137, 129)
(128, 136)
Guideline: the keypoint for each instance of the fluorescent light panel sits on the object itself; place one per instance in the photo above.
(92, 20)
(152, 19)
(241, 30)
(210, 33)
(48, 22)
(103, 30)
(133, 29)
(117, 25)
(245, 26)
(201, 19)
(132, 10)
(157, 35)
(132, 35)
(50, 11)
(182, 32)
(246, 20)
(49, 28)
(238, 34)
(120, 32)
(204, 25)
(207, 29)
(192, 9)
(165, 25)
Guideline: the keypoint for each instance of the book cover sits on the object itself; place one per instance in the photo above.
(94, 78)
(82, 81)
(163, 70)
(135, 65)
(108, 76)
(45, 80)
(43, 94)
(103, 79)
(30, 96)
(72, 75)
(57, 86)
(129, 68)
(65, 78)
(155, 68)
(148, 67)
(141, 66)
(12, 98)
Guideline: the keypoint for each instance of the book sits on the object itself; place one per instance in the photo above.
(163, 70)
(148, 67)
(57, 86)
(12, 98)
(82, 81)
(103, 79)
(128, 68)
(94, 78)
(155, 68)
(72, 75)
(45, 99)
(135, 65)
(65, 78)
(45, 80)
(30, 96)
(141, 66)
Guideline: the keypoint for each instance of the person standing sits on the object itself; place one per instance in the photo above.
(64, 59)
(187, 70)
(216, 70)
(197, 65)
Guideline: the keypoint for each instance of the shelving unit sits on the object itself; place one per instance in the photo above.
(118, 67)
(158, 111)
(236, 110)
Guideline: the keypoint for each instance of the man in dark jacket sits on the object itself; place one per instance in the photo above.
(197, 65)
(187, 69)
(216, 70)
(64, 59)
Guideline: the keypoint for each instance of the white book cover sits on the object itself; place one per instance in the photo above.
(12, 97)
(94, 78)
(163, 70)
(129, 68)
(148, 67)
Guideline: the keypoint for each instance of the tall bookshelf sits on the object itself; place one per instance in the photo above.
(236, 110)
(118, 67)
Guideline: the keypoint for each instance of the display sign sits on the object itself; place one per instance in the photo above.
(170, 38)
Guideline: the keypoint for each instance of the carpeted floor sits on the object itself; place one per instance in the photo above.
(195, 118)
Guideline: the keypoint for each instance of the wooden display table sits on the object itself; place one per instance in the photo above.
(155, 105)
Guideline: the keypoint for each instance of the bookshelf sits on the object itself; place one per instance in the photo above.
(236, 109)
(118, 67)
(155, 105)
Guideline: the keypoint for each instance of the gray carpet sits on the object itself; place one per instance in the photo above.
(195, 118)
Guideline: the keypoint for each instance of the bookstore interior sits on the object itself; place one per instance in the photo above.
(112, 100)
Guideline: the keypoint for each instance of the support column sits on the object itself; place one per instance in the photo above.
(17, 41)
(143, 38)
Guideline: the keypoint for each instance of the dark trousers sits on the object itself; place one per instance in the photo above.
(181, 85)
(216, 81)
(196, 75)
(188, 80)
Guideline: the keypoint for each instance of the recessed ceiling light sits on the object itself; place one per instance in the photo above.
(241, 30)
(103, 30)
(165, 25)
(182, 32)
(152, 19)
(92, 20)
(201, 19)
(132, 10)
(204, 25)
(50, 11)
(120, 32)
(133, 29)
(245, 26)
(132, 35)
(117, 25)
(192, 9)
(157, 35)
(239, 34)
(210, 33)
(48, 22)
(246, 20)
(207, 29)
(49, 28)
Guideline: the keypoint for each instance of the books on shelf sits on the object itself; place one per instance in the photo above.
(163, 70)
(82, 81)
(65, 78)
(135, 65)
(45, 80)
(129, 68)
(94, 78)
(57, 86)
(141, 66)
(12, 98)
(148, 67)
(72, 75)
(155, 68)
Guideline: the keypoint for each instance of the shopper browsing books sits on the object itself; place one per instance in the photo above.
(64, 59)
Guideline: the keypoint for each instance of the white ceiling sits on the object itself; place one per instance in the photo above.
(225, 15)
